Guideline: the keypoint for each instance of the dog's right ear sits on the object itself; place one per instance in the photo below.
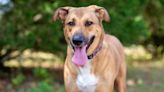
(101, 12)
(61, 13)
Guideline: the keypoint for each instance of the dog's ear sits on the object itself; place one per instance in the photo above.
(101, 13)
(61, 13)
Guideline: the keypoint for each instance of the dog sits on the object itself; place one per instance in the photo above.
(95, 61)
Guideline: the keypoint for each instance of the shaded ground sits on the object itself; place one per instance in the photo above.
(32, 80)
(145, 78)
(144, 74)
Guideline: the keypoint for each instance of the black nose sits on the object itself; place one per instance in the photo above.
(78, 39)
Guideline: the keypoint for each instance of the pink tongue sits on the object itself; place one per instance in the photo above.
(80, 56)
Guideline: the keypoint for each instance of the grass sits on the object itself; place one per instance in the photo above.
(145, 79)
(143, 75)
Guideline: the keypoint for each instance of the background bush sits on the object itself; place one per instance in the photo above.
(29, 24)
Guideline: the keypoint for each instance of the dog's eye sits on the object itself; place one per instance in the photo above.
(71, 23)
(88, 23)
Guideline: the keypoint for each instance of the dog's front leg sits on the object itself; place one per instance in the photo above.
(120, 81)
(72, 87)
(105, 86)
(69, 80)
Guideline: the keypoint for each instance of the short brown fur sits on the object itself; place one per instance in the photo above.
(108, 64)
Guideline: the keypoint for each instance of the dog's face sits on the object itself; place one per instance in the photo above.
(83, 26)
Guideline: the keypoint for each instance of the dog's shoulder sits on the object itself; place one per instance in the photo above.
(114, 45)
(112, 40)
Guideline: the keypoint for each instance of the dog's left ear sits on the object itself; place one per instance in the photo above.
(61, 13)
(101, 13)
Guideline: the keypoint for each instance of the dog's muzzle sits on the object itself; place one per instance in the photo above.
(78, 40)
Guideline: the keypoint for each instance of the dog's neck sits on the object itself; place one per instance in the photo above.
(95, 52)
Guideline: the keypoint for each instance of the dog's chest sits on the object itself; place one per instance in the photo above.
(86, 81)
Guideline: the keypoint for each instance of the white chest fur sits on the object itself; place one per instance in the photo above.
(86, 81)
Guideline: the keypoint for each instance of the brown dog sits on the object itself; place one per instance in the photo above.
(95, 61)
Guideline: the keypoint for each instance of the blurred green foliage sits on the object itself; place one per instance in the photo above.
(41, 73)
(18, 79)
(154, 16)
(29, 24)
(41, 87)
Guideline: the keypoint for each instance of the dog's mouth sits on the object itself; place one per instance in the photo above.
(88, 44)
(80, 57)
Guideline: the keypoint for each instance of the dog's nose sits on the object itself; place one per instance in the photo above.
(78, 39)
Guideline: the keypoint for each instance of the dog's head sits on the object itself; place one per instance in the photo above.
(83, 26)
